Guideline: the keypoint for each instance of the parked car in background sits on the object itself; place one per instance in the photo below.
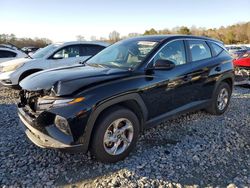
(8, 52)
(30, 50)
(232, 49)
(52, 56)
(242, 66)
(103, 105)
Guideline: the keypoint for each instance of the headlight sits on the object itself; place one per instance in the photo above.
(11, 67)
(49, 102)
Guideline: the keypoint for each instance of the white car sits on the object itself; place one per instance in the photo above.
(8, 53)
(53, 56)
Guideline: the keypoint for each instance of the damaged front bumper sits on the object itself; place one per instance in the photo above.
(39, 138)
(48, 136)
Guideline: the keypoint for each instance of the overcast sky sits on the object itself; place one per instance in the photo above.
(62, 20)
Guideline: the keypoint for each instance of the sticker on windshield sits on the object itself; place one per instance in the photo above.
(147, 43)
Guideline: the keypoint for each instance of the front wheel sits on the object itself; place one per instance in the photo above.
(115, 135)
(220, 100)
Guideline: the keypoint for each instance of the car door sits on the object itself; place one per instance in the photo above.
(169, 89)
(202, 63)
(66, 56)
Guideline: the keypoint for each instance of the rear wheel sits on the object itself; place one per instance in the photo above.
(115, 135)
(220, 100)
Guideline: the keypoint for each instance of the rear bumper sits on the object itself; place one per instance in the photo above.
(243, 67)
(242, 76)
(50, 138)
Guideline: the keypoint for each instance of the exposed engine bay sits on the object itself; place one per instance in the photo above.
(30, 98)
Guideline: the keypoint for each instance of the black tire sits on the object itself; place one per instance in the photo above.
(97, 148)
(214, 108)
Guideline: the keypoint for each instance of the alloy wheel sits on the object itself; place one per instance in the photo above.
(222, 99)
(118, 136)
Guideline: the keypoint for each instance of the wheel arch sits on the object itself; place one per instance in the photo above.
(27, 73)
(133, 102)
(229, 81)
(228, 78)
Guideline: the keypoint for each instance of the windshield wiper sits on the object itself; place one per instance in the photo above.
(84, 62)
(96, 65)
(90, 64)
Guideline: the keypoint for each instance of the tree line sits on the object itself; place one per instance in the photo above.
(234, 34)
(22, 42)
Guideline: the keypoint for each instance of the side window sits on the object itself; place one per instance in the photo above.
(90, 50)
(217, 49)
(67, 52)
(174, 51)
(199, 50)
(7, 54)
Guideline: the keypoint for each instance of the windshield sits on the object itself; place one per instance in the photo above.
(124, 54)
(44, 51)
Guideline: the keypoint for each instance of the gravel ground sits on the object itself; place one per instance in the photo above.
(196, 150)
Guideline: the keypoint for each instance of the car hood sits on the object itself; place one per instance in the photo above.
(16, 61)
(67, 80)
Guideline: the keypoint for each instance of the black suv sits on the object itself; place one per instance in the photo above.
(104, 104)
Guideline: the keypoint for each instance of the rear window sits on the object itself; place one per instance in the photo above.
(7, 54)
(199, 50)
(217, 49)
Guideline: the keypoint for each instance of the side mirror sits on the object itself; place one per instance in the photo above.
(164, 64)
(58, 56)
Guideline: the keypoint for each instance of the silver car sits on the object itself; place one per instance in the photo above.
(53, 56)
